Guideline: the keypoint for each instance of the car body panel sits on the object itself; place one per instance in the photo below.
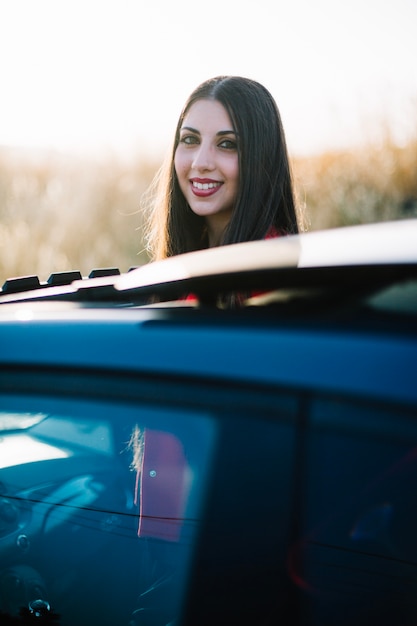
(135, 340)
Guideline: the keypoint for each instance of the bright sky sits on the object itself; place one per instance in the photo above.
(112, 75)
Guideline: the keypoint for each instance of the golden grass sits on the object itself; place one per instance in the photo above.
(370, 184)
(60, 214)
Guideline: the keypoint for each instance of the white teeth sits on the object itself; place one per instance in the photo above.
(205, 185)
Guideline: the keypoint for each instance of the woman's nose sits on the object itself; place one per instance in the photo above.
(203, 158)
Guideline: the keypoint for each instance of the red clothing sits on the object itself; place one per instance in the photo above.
(162, 486)
(273, 232)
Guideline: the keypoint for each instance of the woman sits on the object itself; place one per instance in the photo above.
(228, 177)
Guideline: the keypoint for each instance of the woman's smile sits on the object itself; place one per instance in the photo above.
(203, 187)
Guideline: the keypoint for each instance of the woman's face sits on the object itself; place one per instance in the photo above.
(206, 161)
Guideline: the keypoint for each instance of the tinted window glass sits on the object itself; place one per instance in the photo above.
(99, 504)
(357, 557)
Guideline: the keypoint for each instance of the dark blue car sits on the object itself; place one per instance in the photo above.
(226, 437)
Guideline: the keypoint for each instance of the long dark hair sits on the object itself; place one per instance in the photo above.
(265, 200)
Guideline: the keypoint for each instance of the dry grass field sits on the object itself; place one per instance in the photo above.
(371, 184)
(59, 213)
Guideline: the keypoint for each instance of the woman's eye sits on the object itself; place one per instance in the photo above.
(228, 144)
(189, 140)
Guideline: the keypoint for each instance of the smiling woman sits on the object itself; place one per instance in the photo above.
(228, 177)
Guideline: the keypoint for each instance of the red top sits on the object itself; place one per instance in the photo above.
(163, 487)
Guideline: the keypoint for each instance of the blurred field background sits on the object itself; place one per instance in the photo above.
(62, 213)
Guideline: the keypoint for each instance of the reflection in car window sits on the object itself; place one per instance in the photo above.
(103, 502)
(88, 433)
(19, 421)
(21, 449)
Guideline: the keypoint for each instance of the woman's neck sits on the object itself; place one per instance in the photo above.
(216, 226)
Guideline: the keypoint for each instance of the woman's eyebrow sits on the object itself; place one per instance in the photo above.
(220, 132)
(192, 130)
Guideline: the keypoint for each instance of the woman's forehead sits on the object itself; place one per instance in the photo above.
(207, 115)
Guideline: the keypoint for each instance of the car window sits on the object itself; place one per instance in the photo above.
(99, 504)
(357, 551)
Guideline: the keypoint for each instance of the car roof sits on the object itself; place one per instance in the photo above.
(307, 260)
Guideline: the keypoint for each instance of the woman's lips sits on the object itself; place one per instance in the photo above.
(204, 187)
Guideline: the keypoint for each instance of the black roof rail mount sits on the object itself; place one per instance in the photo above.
(21, 284)
(63, 278)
